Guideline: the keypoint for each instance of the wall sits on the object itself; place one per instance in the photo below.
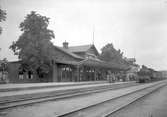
(13, 76)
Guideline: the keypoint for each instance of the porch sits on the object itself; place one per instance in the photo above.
(86, 70)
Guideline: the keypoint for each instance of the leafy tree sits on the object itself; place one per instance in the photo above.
(2, 17)
(109, 53)
(34, 46)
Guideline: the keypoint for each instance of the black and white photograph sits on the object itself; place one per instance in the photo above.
(83, 58)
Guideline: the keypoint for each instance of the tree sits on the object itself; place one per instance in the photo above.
(34, 45)
(109, 53)
(2, 17)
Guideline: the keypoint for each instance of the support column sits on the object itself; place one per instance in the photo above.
(55, 73)
(78, 74)
(84, 73)
(72, 74)
(94, 74)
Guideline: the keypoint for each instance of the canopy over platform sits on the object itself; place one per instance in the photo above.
(96, 63)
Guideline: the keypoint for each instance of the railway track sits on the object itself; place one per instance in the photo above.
(108, 107)
(27, 100)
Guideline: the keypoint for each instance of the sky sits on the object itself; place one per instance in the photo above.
(137, 27)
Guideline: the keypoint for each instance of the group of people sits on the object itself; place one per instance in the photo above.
(4, 77)
(111, 77)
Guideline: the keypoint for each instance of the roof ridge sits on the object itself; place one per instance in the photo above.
(81, 45)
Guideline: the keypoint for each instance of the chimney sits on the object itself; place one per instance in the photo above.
(65, 45)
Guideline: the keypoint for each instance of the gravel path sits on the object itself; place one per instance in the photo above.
(153, 105)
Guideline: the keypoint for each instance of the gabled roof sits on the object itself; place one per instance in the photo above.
(77, 49)
(68, 52)
(82, 48)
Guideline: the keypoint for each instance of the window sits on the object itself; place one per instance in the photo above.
(21, 75)
(30, 75)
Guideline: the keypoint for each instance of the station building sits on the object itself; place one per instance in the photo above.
(70, 64)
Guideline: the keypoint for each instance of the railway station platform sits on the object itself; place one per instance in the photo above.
(60, 107)
(16, 92)
(27, 86)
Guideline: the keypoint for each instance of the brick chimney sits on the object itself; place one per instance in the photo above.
(65, 45)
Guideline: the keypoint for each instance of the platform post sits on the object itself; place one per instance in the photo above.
(78, 74)
(95, 74)
(55, 73)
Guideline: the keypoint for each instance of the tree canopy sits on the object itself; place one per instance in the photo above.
(2, 17)
(34, 45)
(109, 53)
(113, 56)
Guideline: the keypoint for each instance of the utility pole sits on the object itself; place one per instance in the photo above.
(93, 34)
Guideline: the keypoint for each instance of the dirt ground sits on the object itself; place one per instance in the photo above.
(153, 105)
